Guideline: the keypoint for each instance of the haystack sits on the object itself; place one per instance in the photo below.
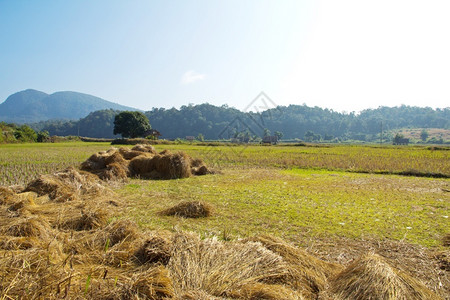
(153, 284)
(166, 166)
(198, 167)
(305, 272)
(109, 165)
(144, 162)
(87, 220)
(121, 231)
(28, 227)
(371, 277)
(6, 195)
(23, 200)
(144, 148)
(190, 209)
(67, 185)
(155, 249)
(217, 268)
(130, 154)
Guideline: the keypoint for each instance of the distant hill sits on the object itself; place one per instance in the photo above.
(311, 124)
(31, 106)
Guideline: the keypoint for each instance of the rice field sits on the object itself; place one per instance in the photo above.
(20, 163)
(338, 203)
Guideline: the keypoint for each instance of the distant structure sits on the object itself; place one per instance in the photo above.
(155, 134)
(270, 139)
(190, 138)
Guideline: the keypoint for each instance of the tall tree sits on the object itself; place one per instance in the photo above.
(131, 124)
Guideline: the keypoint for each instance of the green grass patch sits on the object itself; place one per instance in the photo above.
(299, 205)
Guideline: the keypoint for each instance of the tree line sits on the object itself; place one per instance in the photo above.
(293, 121)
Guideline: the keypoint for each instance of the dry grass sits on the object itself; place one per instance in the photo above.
(255, 291)
(190, 209)
(218, 268)
(305, 272)
(66, 185)
(371, 277)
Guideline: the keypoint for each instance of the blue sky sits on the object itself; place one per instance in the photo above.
(345, 55)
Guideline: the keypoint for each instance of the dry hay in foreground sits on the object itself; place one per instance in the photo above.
(220, 269)
(190, 209)
(143, 161)
(371, 277)
(305, 272)
(51, 248)
(66, 185)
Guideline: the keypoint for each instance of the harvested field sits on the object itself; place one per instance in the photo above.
(75, 235)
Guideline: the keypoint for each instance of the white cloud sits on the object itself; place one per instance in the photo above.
(191, 77)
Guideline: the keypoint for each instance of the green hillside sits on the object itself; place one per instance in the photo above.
(31, 106)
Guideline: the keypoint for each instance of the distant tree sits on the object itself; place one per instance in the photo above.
(43, 136)
(25, 133)
(278, 134)
(131, 124)
(200, 137)
(266, 132)
(424, 135)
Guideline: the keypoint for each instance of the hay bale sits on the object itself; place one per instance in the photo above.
(171, 166)
(121, 231)
(110, 165)
(114, 171)
(190, 209)
(142, 166)
(155, 249)
(24, 200)
(371, 277)
(87, 220)
(7, 195)
(66, 185)
(130, 154)
(144, 148)
(28, 227)
(17, 188)
(256, 291)
(152, 284)
(216, 267)
(165, 152)
(167, 166)
(305, 272)
(53, 187)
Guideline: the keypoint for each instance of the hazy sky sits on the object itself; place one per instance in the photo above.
(347, 55)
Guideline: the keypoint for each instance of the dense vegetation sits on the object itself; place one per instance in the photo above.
(294, 121)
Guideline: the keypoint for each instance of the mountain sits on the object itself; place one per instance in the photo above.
(33, 106)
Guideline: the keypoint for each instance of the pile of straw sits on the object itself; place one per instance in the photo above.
(190, 209)
(371, 277)
(143, 161)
